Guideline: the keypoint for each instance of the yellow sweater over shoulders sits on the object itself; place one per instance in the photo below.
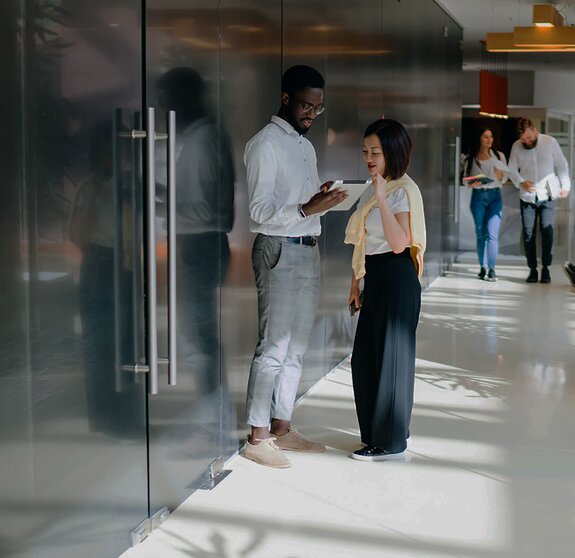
(356, 229)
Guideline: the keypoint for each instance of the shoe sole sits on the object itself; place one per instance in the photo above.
(301, 450)
(261, 462)
(388, 457)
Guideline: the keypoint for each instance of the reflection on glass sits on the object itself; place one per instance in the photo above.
(546, 386)
(105, 292)
(205, 214)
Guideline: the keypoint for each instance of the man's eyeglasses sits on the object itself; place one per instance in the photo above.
(308, 107)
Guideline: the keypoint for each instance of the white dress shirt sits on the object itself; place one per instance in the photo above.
(375, 240)
(281, 173)
(540, 165)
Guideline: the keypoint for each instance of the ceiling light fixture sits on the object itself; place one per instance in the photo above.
(546, 35)
(546, 15)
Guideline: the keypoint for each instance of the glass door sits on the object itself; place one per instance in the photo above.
(190, 418)
(561, 125)
(451, 72)
(73, 436)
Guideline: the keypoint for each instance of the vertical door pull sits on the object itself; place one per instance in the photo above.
(118, 248)
(151, 136)
(456, 170)
(172, 326)
(151, 288)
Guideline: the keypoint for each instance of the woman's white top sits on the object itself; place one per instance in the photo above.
(375, 241)
(487, 168)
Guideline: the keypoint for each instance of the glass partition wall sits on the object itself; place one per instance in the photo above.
(98, 433)
(561, 125)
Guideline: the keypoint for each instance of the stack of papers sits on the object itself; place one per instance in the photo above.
(478, 178)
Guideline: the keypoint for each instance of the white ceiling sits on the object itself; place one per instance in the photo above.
(479, 17)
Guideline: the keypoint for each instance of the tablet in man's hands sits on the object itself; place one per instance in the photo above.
(354, 188)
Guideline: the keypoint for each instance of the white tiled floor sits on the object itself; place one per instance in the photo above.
(491, 470)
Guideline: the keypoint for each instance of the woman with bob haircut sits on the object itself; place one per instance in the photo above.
(388, 231)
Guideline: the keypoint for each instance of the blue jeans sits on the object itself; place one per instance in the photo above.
(486, 207)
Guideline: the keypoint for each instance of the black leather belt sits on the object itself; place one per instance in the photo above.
(305, 240)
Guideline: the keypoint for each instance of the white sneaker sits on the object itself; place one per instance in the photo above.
(266, 453)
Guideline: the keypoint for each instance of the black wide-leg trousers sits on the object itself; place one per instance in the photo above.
(383, 358)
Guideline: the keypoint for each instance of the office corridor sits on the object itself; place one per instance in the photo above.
(490, 470)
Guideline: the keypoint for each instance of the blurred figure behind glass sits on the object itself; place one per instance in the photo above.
(205, 214)
(116, 410)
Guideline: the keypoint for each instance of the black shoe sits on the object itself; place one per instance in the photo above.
(545, 275)
(569, 270)
(491, 277)
(481, 274)
(532, 277)
(372, 453)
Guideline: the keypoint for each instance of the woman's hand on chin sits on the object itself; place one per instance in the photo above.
(378, 183)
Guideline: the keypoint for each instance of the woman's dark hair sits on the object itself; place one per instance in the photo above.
(300, 77)
(475, 145)
(395, 144)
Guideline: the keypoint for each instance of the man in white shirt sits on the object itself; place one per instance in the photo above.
(286, 199)
(540, 171)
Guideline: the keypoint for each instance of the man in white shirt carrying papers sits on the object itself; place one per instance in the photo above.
(540, 171)
(286, 199)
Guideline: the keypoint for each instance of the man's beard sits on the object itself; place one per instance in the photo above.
(299, 129)
(532, 145)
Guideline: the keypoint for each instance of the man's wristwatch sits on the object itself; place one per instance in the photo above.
(301, 211)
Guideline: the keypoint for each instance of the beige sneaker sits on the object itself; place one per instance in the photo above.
(294, 441)
(267, 453)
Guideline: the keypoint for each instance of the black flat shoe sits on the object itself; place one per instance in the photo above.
(372, 453)
(533, 276)
(545, 275)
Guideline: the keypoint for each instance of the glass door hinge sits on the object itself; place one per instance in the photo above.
(148, 525)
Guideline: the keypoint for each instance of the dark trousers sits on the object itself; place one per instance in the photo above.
(115, 410)
(544, 212)
(383, 358)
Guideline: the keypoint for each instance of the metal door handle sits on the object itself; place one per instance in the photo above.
(118, 249)
(151, 136)
(456, 169)
(136, 241)
(151, 298)
(172, 326)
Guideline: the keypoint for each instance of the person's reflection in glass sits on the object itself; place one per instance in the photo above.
(205, 214)
(114, 408)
